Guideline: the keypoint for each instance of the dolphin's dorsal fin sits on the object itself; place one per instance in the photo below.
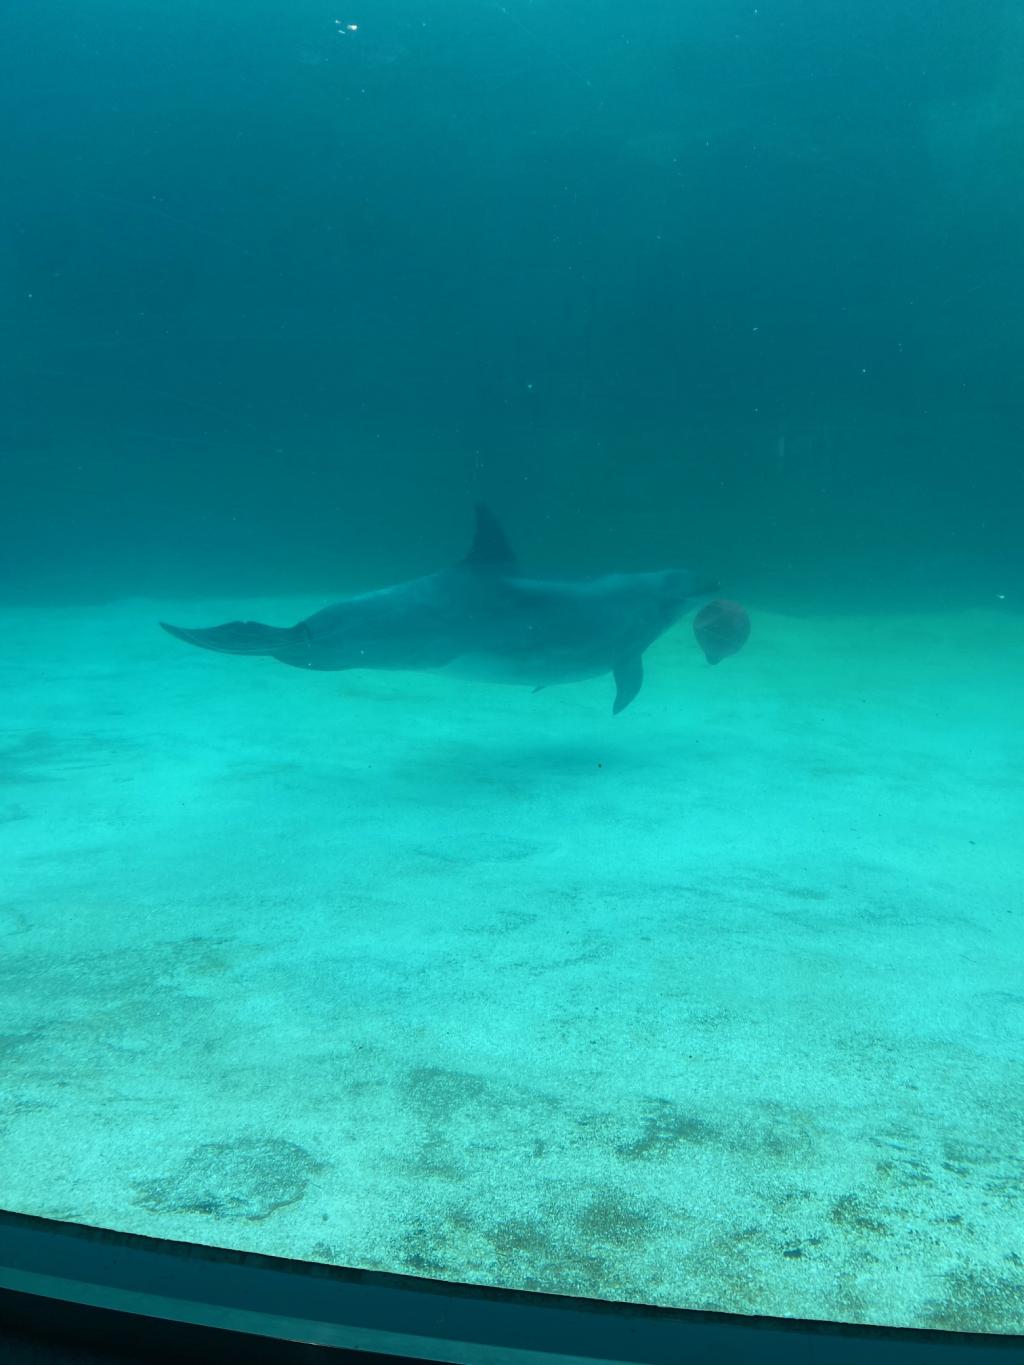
(490, 549)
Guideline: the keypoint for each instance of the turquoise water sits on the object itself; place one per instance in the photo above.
(712, 1003)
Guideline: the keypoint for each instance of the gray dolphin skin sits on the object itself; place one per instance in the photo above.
(481, 619)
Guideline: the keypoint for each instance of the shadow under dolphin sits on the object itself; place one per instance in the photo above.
(480, 619)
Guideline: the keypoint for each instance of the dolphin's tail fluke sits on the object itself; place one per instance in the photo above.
(246, 637)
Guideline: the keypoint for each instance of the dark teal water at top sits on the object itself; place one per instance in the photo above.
(731, 284)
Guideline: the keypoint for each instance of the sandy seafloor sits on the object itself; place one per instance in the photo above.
(718, 1004)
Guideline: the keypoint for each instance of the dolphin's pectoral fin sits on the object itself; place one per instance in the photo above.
(490, 549)
(245, 637)
(629, 678)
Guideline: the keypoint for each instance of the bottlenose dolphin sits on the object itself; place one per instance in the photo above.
(481, 619)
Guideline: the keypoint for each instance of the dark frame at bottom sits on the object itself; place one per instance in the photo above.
(175, 1287)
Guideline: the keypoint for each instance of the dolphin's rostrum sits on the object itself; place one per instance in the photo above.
(481, 619)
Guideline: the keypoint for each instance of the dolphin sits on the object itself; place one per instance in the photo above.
(482, 619)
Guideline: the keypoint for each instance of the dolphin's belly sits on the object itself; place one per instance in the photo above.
(524, 670)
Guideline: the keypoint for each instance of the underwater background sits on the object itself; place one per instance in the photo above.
(728, 283)
(713, 1004)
